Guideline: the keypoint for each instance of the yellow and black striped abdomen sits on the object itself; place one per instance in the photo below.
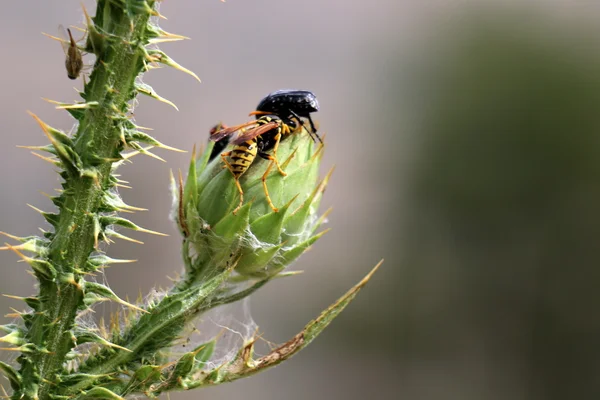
(242, 157)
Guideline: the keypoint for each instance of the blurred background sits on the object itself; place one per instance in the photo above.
(467, 145)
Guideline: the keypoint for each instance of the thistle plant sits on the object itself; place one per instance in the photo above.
(226, 256)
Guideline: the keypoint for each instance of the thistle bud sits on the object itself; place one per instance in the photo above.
(257, 241)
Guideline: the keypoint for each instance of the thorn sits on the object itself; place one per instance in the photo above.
(132, 306)
(73, 282)
(147, 153)
(123, 237)
(143, 128)
(23, 256)
(157, 14)
(4, 394)
(325, 180)
(52, 161)
(172, 35)
(288, 273)
(140, 229)
(323, 217)
(51, 101)
(11, 348)
(91, 104)
(318, 152)
(22, 246)
(87, 16)
(175, 149)
(38, 148)
(10, 296)
(53, 37)
(36, 209)
(366, 279)
(289, 159)
(164, 59)
(11, 236)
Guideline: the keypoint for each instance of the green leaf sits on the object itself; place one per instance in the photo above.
(99, 392)
(13, 376)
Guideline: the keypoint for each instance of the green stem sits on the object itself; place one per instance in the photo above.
(151, 332)
(98, 138)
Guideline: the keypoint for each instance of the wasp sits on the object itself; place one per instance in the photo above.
(289, 104)
(265, 134)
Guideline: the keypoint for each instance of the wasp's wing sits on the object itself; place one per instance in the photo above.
(228, 131)
(255, 132)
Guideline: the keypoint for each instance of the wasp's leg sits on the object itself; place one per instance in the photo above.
(272, 158)
(236, 178)
(266, 189)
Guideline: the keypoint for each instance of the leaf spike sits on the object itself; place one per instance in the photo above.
(148, 91)
(53, 37)
(52, 161)
(149, 154)
(36, 209)
(319, 152)
(161, 57)
(287, 160)
(323, 184)
(88, 19)
(321, 234)
(10, 296)
(70, 279)
(53, 136)
(52, 101)
(157, 14)
(166, 147)
(323, 217)
(17, 238)
(67, 106)
(122, 237)
(166, 34)
(130, 225)
(22, 246)
(11, 348)
(40, 266)
(13, 338)
(38, 148)
(143, 128)
(4, 394)
(288, 273)
(104, 260)
(129, 305)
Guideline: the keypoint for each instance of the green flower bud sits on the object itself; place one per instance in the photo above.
(257, 241)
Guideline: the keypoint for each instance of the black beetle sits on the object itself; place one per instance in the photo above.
(288, 104)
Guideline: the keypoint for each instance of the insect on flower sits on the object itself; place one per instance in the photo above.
(264, 134)
(290, 103)
(74, 60)
(73, 56)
